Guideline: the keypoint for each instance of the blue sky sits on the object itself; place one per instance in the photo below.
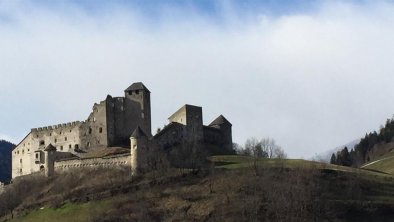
(208, 7)
(313, 75)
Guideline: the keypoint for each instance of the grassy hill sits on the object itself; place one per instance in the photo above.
(384, 164)
(233, 188)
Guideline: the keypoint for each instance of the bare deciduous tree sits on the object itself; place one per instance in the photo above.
(254, 146)
(279, 153)
(266, 147)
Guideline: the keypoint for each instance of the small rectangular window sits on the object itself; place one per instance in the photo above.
(65, 138)
(100, 130)
(61, 147)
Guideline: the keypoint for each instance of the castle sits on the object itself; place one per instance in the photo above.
(118, 132)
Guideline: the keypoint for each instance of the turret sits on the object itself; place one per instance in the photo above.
(50, 157)
(138, 148)
(224, 126)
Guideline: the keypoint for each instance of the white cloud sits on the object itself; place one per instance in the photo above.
(311, 81)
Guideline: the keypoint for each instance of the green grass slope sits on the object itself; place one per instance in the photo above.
(236, 162)
(78, 212)
(383, 164)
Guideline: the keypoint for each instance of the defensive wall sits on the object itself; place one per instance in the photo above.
(110, 161)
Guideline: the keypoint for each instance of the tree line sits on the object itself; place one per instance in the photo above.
(263, 148)
(364, 150)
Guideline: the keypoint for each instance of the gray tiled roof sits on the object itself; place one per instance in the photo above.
(219, 121)
(50, 147)
(138, 133)
(137, 86)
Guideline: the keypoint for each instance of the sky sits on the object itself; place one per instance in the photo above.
(313, 75)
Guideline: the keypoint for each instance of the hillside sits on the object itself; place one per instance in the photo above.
(325, 156)
(5, 160)
(374, 146)
(384, 163)
(234, 188)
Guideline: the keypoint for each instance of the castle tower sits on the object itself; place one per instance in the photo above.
(138, 148)
(191, 117)
(137, 110)
(50, 156)
(224, 126)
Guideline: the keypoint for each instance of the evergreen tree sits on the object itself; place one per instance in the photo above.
(345, 156)
(333, 159)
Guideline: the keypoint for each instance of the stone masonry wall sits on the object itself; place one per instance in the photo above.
(93, 132)
(113, 161)
(65, 137)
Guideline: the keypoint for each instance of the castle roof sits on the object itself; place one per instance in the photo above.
(50, 147)
(219, 121)
(138, 133)
(137, 86)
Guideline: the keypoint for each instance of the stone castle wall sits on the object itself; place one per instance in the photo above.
(93, 132)
(112, 161)
(65, 137)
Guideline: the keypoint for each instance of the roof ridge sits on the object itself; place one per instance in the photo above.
(219, 121)
(137, 86)
(138, 132)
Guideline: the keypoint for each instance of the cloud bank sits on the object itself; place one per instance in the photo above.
(312, 80)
